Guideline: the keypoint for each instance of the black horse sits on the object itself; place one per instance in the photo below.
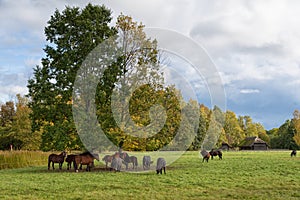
(54, 158)
(216, 153)
(293, 153)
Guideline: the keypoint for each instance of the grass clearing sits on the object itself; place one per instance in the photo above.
(240, 175)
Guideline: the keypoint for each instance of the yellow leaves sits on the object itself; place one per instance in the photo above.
(297, 138)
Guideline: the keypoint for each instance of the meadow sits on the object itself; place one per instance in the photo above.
(240, 175)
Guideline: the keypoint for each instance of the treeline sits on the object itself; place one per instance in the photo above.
(16, 130)
(126, 92)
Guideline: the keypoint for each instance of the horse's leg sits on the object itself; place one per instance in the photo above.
(52, 165)
(75, 166)
(164, 170)
(49, 164)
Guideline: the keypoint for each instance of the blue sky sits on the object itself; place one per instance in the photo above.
(255, 46)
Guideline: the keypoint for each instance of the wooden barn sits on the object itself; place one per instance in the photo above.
(225, 146)
(253, 143)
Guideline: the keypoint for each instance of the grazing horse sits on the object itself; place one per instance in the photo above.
(129, 159)
(205, 155)
(160, 165)
(216, 153)
(70, 159)
(147, 162)
(116, 163)
(293, 153)
(87, 159)
(54, 158)
(108, 158)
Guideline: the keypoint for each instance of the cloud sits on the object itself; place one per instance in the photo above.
(254, 44)
(249, 91)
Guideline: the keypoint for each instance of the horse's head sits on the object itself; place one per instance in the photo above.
(64, 153)
(96, 156)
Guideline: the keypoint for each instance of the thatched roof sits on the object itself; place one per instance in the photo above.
(250, 141)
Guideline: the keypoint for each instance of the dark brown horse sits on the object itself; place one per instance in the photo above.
(129, 159)
(87, 159)
(70, 159)
(293, 153)
(216, 153)
(54, 158)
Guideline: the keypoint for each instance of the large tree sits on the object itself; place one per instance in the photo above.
(131, 95)
(71, 35)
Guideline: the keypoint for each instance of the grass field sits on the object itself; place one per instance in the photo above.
(240, 175)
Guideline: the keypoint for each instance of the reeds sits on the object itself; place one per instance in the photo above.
(19, 159)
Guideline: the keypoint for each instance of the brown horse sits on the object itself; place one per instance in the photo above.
(87, 159)
(129, 159)
(205, 155)
(108, 159)
(216, 153)
(54, 158)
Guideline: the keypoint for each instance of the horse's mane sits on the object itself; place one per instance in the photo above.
(85, 153)
(88, 153)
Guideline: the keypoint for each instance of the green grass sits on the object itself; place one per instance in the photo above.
(240, 175)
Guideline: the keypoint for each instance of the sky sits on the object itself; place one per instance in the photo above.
(255, 46)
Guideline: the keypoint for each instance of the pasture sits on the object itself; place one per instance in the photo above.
(240, 175)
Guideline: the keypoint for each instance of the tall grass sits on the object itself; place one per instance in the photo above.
(19, 159)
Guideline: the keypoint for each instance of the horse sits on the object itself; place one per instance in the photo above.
(216, 153)
(293, 153)
(147, 162)
(87, 159)
(70, 159)
(205, 155)
(116, 163)
(160, 165)
(54, 158)
(129, 159)
(108, 158)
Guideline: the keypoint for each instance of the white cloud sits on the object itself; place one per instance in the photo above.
(249, 91)
(255, 44)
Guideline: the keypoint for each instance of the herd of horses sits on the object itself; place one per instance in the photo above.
(116, 160)
(85, 158)
(206, 155)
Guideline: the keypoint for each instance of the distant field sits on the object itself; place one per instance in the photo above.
(240, 175)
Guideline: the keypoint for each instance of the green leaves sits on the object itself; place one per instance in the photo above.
(71, 34)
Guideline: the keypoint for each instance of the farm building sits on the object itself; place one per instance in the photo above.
(253, 143)
(225, 146)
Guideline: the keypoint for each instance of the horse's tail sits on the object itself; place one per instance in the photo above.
(49, 161)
